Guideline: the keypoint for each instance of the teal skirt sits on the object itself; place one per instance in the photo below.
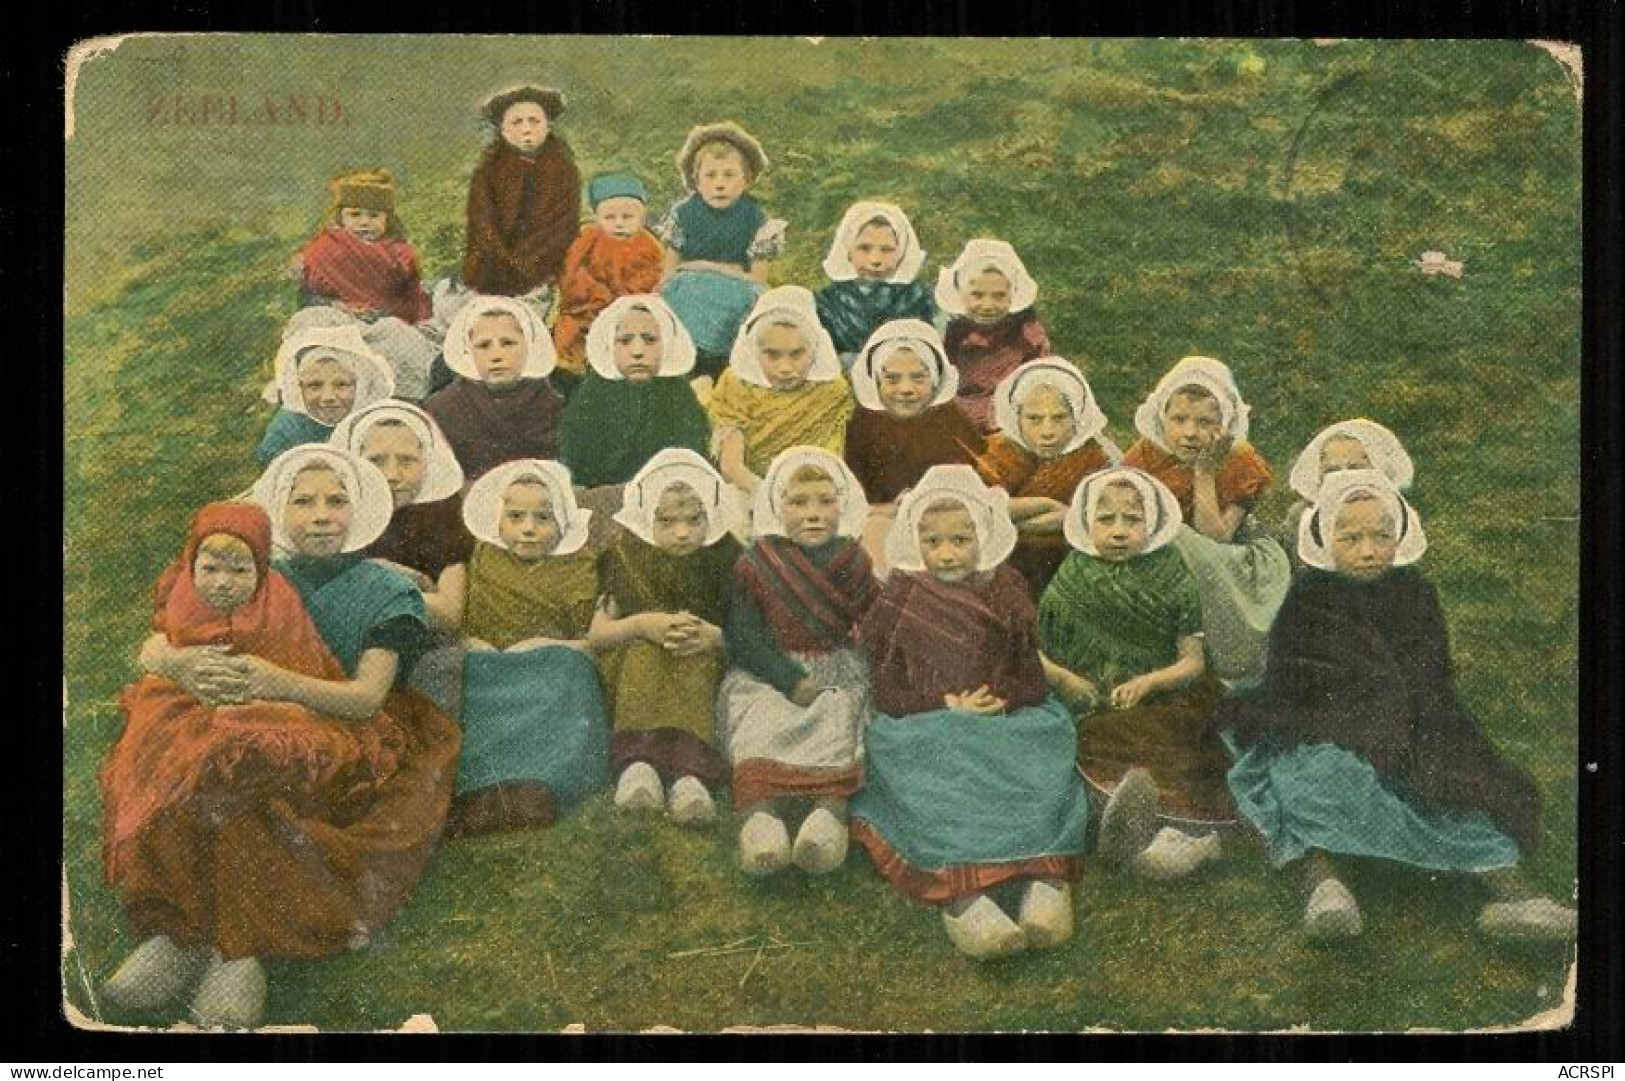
(949, 788)
(711, 307)
(534, 716)
(1327, 797)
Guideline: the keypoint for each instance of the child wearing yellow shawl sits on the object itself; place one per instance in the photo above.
(783, 388)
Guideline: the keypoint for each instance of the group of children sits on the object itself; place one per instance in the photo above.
(865, 558)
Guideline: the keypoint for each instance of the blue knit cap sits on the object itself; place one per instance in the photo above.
(614, 186)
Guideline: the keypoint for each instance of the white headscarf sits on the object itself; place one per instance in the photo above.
(989, 510)
(1087, 419)
(366, 486)
(540, 358)
(766, 514)
(374, 378)
(980, 255)
(887, 339)
(1381, 446)
(482, 506)
(1163, 516)
(786, 304)
(1205, 372)
(677, 466)
(676, 347)
(1314, 529)
(443, 476)
(838, 263)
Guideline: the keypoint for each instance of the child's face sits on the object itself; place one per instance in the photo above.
(498, 347)
(784, 355)
(1046, 421)
(327, 387)
(1191, 422)
(367, 224)
(620, 217)
(1364, 539)
(528, 528)
(317, 516)
(720, 178)
(905, 385)
(1342, 452)
(398, 454)
(949, 543)
(638, 346)
(986, 296)
(525, 127)
(680, 521)
(875, 252)
(1118, 526)
(224, 579)
(811, 511)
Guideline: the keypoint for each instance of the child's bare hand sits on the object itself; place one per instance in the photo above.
(980, 701)
(657, 627)
(1079, 692)
(478, 645)
(264, 679)
(1129, 694)
(695, 637)
(1210, 458)
(805, 693)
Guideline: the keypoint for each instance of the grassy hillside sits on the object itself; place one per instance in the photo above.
(1259, 202)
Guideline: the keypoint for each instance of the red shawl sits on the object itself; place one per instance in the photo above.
(1022, 473)
(523, 213)
(926, 639)
(889, 455)
(486, 428)
(984, 355)
(808, 608)
(1242, 479)
(375, 275)
(175, 749)
(597, 269)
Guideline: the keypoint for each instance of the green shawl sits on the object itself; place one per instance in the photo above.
(643, 578)
(510, 600)
(1113, 621)
(611, 427)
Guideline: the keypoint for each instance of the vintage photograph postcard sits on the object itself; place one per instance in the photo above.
(605, 534)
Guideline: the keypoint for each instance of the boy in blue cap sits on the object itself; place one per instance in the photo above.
(614, 256)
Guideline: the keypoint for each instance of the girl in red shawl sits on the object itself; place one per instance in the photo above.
(360, 270)
(615, 256)
(1051, 436)
(524, 201)
(994, 329)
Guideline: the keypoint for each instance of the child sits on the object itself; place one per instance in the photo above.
(793, 705)
(871, 267)
(783, 388)
(634, 402)
(969, 779)
(994, 328)
(323, 374)
(658, 635)
(1348, 444)
(1356, 745)
(719, 241)
(1121, 627)
(535, 728)
(1051, 435)
(501, 407)
(360, 270)
(615, 256)
(1193, 432)
(524, 201)
(907, 421)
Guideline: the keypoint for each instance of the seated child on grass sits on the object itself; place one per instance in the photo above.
(1193, 438)
(501, 407)
(872, 266)
(994, 329)
(719, 241)
(535, 727)
(1051, 435)
(1121, 628)
(1356, 743)
(360, 270)
(970, 786)
(664, 586)
(783, 388)
(792, 706)
(615, 256)
(323, 374)
(1348, 444)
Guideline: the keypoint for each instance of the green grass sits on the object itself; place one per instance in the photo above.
(1146, 185)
